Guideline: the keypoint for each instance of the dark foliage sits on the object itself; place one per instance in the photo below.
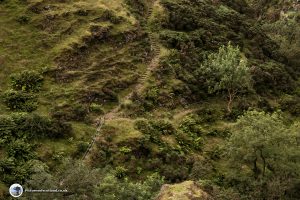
(32, 126)
(20, 101)
(138, 7)
(27, 81)
(195, 28)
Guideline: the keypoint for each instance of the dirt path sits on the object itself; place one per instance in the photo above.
(139, 87)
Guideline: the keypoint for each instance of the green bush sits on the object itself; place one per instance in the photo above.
(138, 7)
(112, 188)
(188, 143)
(120, 172)
(272, 77)
(27, 126)
(7, 126)
(27, 81)
(81, 147)
(155, 128)
(19, 101)
(125, 150)
(112, 17)
(13, 170)
(164, 127)
(41, 127)
(291, 104)
(142, 125)
(68, 112)
(21, 150)
(219, 133)
(79, 112)
(23, 19)
(60, 129)
(190, 125)
(96, 108)
(209, 114)
(33, 126)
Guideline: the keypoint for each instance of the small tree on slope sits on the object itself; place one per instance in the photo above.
(226, 71)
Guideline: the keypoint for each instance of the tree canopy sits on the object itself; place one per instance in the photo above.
(226, 70)
(263, 148)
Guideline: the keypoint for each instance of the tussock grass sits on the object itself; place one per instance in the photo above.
(124, 129)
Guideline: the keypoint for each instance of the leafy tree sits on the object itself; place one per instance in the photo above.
(226, 70)
(41, 179)
(264, 153)
(78, 179)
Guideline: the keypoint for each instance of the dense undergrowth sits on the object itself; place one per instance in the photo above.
(66, 63)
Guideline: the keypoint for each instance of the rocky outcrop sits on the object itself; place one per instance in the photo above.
(188, 190)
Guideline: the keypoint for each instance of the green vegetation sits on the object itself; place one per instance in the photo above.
(143, 83)
(111, 188)
(27, 81)
(19, 101)
(226, 71)
(267, 149)
(97, 184)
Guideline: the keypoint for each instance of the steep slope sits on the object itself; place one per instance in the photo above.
(119, 84)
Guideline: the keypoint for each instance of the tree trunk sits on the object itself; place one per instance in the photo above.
(255, 169)
(264, 162)
(231, 95)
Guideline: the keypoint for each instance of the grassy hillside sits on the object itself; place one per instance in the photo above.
(122, 82)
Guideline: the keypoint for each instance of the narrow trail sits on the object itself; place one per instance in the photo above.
(139, 87)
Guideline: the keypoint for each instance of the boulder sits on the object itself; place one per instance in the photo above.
(188, 190)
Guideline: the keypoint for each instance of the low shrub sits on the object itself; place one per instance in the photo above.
(187, 143)
(96, 108)
(271, 77)
(219, 133)
(13, 169)
(81, 147)
(125, 150)
(19, 101)
(138, 7)
(21, 150)
(145, 127)
(28, 126)
(209, 114)
(291, 104)
(60, 129)
(120, 172)
(79, 112)
(23, 19)
(163, 126)
(27, 81)
(113, 188)
(265, 105)
(7, 125)
(190, 125)
(155, 128)
(66, 112)
(112, 17)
